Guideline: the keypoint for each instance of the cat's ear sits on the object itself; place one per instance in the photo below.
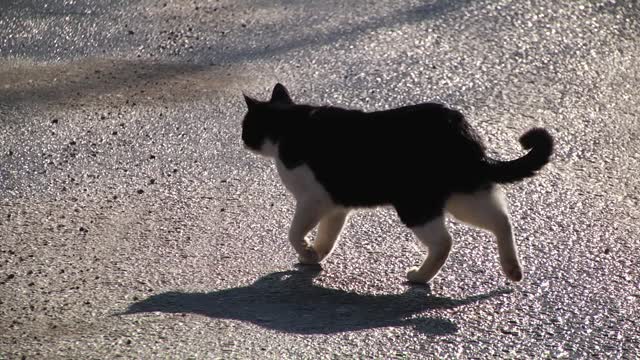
(280, 95)
(251, 102)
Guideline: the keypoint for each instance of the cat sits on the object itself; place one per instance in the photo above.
(423, 160)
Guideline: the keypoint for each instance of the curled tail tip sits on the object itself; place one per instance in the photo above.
(540, 145)
(537, 138)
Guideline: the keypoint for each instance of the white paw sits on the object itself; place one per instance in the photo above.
(513, 272)
(414, 276)
(309, 257)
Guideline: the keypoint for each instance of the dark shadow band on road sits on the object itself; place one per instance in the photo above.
(289, 301)
(271, 40)
(116, 81)
(95, 79)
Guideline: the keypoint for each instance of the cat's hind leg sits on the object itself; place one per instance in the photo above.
(329, 232)
(433, 234)
(487, 209)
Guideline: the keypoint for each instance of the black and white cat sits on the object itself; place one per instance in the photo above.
(423, 160)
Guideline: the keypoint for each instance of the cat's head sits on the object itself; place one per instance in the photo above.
(262, 123)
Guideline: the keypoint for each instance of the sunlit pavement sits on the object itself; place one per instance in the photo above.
(133, 223)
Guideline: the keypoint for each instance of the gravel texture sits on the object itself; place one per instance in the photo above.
(133, 223)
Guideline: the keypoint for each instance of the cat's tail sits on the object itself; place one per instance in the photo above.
(540, 145)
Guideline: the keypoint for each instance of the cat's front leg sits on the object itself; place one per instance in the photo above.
(329, 232)
(307, 215)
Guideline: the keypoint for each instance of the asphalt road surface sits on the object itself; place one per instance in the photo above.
(133, 224)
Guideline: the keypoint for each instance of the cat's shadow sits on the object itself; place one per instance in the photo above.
(289, 301)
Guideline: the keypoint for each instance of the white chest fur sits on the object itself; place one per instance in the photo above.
(302, 183)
